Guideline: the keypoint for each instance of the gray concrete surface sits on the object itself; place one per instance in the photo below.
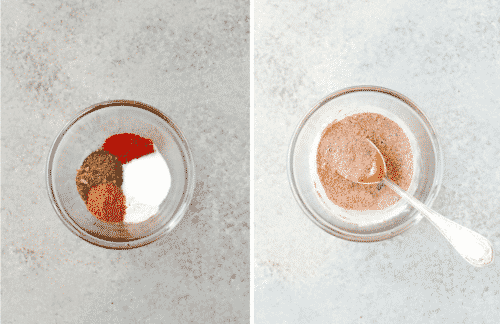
(445, 56)
(190, 59)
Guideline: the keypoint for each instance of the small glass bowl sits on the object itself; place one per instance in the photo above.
(85, 134)
(371, 225)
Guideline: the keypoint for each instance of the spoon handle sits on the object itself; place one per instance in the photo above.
(473, 247)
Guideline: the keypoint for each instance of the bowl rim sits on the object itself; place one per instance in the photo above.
(414, 216)
(183, 204)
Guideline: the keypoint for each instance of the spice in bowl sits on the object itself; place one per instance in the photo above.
(98, 168)
(125, 180)
(345, 138)
(107, 202)
(127, 147)
(146, 182)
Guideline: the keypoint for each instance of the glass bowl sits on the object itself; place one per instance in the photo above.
(372, 225)
(86, 133)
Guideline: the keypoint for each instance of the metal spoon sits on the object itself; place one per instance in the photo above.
(473, 247)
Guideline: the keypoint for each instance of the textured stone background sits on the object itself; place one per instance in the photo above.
(445, 56)
(190, 59)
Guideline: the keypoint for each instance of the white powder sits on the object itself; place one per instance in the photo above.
(146, 182)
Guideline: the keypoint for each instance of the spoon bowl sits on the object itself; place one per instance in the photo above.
(359, 173)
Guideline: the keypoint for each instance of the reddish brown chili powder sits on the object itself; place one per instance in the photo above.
(341, 137)
(107, 203)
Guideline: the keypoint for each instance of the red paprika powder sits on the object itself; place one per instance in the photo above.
(127, 147)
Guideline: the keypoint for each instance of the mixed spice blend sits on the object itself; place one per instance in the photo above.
(344, 138)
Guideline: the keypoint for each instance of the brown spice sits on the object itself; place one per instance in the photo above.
(99, 167)
(107, 203)
(345, 138)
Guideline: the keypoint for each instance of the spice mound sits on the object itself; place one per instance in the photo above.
(107, 202)
(128, 146)
(346, 138)
(124, 159)
(99, 167)
(146, 182)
